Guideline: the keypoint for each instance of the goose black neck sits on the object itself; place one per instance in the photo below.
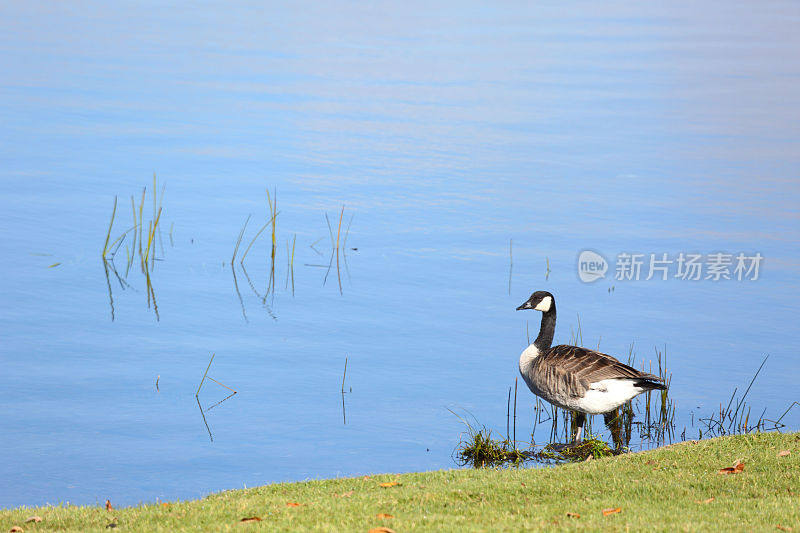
(547, 329)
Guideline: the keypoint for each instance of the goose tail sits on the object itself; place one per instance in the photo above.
(650, 382)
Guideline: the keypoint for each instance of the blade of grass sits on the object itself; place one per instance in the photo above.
(508, 414)
(741, 402)
(204, 375)
(256, 237)
(152, 238)
(141, 227)
(135, 225)
(239, 239)
(291, 264)
(515, 414)
(288, 264)
(344, 374)
(347, 231)
(330, 230)
(110, 225)
(119, 239)
(273, 206)
(145, 261)
(338, 232)
(222, 385)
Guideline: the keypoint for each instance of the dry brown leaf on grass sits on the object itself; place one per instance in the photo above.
(344, 494)
(573, 515)
(383, 515)
(16, 529)
(34, 519)
(707, 500)
(735, 469)
(612, 510)
(783, 453)
(108, 506)
(784, 528)
(250, 519)
(390, 484)
(381, 530)
(294, 504)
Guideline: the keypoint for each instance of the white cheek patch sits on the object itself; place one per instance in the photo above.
(544, 305)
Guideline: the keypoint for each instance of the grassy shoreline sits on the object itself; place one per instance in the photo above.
(677, 487)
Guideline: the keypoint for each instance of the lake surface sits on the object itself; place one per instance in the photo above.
(460, 138)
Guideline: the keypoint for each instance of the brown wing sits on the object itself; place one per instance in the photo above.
(569, 370)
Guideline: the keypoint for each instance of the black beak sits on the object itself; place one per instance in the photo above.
(526, 305)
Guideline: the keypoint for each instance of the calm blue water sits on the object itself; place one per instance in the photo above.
(445, 132)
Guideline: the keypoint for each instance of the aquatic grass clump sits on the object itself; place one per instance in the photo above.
(336, 247)
(270, 284)
(479, 449)
(593, 448)
(143, 244)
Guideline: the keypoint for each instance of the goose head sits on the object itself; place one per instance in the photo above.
(539, 301)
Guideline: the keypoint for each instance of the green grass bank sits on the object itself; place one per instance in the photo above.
(675, 488)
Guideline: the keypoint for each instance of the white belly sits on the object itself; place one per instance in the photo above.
(606, 395)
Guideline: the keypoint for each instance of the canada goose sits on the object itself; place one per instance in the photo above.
(577, 378)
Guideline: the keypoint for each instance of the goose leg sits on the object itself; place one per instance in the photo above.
(613, 423)
(580, 419)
